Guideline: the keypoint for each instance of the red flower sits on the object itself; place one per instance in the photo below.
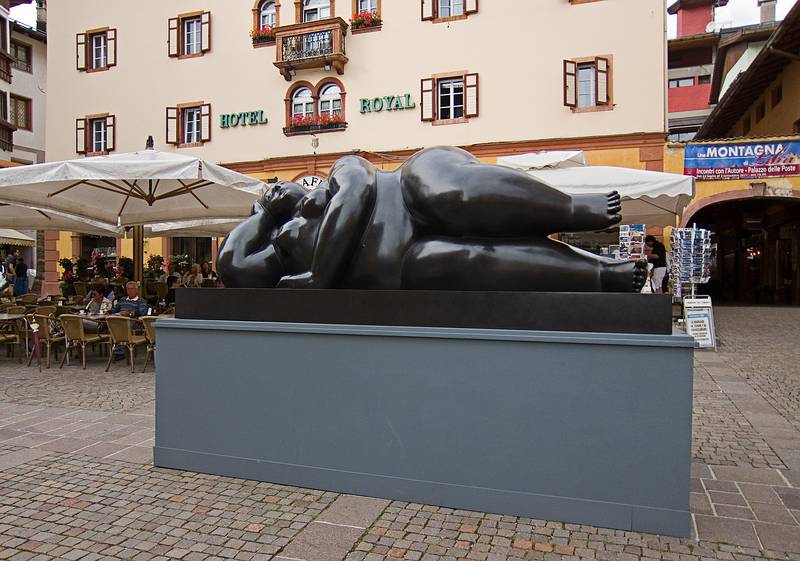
(365, 19)
(266, 33)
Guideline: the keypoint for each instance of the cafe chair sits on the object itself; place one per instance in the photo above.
(49, 336)
(15, 310)
(45, 310)
(150, 335)
(75, 337)
(120, 329)
(29, 299)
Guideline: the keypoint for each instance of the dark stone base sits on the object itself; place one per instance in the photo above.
(541, 311)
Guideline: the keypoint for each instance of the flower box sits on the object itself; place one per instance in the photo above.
(263, 36)
(307, 126)
(365, 20)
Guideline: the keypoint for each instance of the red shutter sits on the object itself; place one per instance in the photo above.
(205, 32)
(172, 125)
(471, 7)
(111, 48)
(570, 83)
(471, 95)
(173, 37)
(602, 82)
(427, 102)
(111, 133)
(80, 136)
(428, 9)
(80, 50)
(205, 122)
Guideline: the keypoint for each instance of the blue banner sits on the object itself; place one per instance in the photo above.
(750, 160)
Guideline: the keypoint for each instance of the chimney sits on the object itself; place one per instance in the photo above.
(41, 15)
(767, 10)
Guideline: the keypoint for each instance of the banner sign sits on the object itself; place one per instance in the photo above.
(751, 160)
(698, 317)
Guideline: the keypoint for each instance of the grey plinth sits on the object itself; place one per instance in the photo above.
(579, 427)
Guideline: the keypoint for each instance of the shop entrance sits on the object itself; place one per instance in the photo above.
(757, 250)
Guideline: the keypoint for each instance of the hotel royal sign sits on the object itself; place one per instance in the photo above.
(749, 160)
(243, 119)
(387, 103)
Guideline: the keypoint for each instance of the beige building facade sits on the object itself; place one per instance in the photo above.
(281, 88)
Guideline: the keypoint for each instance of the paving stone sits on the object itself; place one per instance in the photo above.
(720, 497)
(350, 510)
(66, 444)
(759, 493)
(134, 454)
(777, 514)
(14, 459)
(748, 474)
(734, 512)
(698, 504)
(790, 497)
(779, 537)
(322, 542)
(102, 449)
(716, 485)
(726, 530)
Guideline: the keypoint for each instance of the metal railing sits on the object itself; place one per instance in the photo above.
(5, 68)
(23, 65)
(307, 45)
(6, 137)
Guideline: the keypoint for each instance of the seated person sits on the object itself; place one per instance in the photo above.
(131, 305)
(206, 271)
(173, 282)
(98, 304)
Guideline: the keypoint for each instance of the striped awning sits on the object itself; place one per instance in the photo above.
(12, 237)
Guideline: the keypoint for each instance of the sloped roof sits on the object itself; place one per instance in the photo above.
(683, 4)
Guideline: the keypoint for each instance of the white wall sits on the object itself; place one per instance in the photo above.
(30, 145)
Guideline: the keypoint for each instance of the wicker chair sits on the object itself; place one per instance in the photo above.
(120, 329)
(45, 310)
(12, 334)
(29, 299)
(75, 336)
(150, 335)
(47, 336)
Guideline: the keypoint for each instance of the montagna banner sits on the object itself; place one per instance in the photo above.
(752, 160)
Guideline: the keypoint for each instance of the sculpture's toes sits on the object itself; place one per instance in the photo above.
(624, 276)
(614, 206)
(639, 275)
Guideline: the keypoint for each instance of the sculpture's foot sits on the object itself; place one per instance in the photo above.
(624, 276)
(595, 212)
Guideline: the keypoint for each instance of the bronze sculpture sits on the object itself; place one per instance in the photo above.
(442, 221)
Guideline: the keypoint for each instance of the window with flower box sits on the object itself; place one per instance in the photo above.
(266, 17)
(189, 35)
(366, 16)
(449, 98)
(96, 50)
(95, 135)
(189, 124)
(447, 10)
(314, 109)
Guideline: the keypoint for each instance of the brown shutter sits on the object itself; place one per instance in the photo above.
(570, 83)
(601, 66)
(111, 133)
(427, 102)
(471, 7)
(205, 32)
(111, 48)
(80, 50)
(470, 95)
(80, 136)
(172, 125)
(428, 9)
(173, 37)
(205, 122)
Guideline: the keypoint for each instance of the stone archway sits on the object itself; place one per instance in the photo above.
(752, 193)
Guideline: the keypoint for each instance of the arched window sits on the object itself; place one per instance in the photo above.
(330, 100)
(302, 103)
(266, 16)
(316, 9)
(368, 6)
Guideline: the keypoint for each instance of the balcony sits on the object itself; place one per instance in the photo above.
(6, 135)
(317, 44)
(6, 60)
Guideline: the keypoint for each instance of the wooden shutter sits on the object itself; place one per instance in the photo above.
(602, 68)
(111, 48)
(570, 83)
(470, 95)
(173, 37)
(427, 103)
(111, 133)
(470, 7)
(172, 125)
(428, 9)
(205, 122)
(80, 50)
(205, 32)
(80, 136)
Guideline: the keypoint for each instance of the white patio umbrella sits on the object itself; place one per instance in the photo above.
(544, 160)
(26, 218)
(212, 228)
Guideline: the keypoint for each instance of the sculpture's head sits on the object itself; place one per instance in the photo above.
(283, 198)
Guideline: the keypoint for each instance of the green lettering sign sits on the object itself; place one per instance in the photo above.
(387, 103)
(242, 119)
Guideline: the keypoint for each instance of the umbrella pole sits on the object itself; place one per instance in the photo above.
(138, 253)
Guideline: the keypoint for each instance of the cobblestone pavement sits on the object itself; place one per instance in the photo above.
(77, 481)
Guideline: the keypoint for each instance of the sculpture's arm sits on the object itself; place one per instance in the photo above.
(352, 185)
(244, 257)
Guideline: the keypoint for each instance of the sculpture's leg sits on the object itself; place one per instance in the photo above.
(247, 257)
(539, 264)
(452, 193)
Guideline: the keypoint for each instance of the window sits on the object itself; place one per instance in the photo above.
(189, 124)
(705, 79)
(303, 103)
(449, 99)
(446, 10)
(330, 100)
(4, 34)
(761, 110)
(314, 10)
(189, 35)
(22, 56)
(3, 106)
(777, 95)
(95, 134)
(21, 112)
(682, 136)
(681, 83)
(587, 83)
(267, 15)
(367, 6)
(96, 50)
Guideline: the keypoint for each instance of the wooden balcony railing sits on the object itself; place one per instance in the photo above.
(6, 136)
(6, 60)
(317, 44)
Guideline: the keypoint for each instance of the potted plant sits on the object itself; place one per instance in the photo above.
(66, 264)
(154, 265)
(82, 269)
(263, 35)
(303, 123)
(127, 267)
(365, 19)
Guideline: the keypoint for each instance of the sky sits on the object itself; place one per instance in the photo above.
(739, 12)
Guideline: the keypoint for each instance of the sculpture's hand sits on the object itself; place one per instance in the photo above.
(303, 280)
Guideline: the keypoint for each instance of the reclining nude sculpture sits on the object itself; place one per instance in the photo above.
(442, 221)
